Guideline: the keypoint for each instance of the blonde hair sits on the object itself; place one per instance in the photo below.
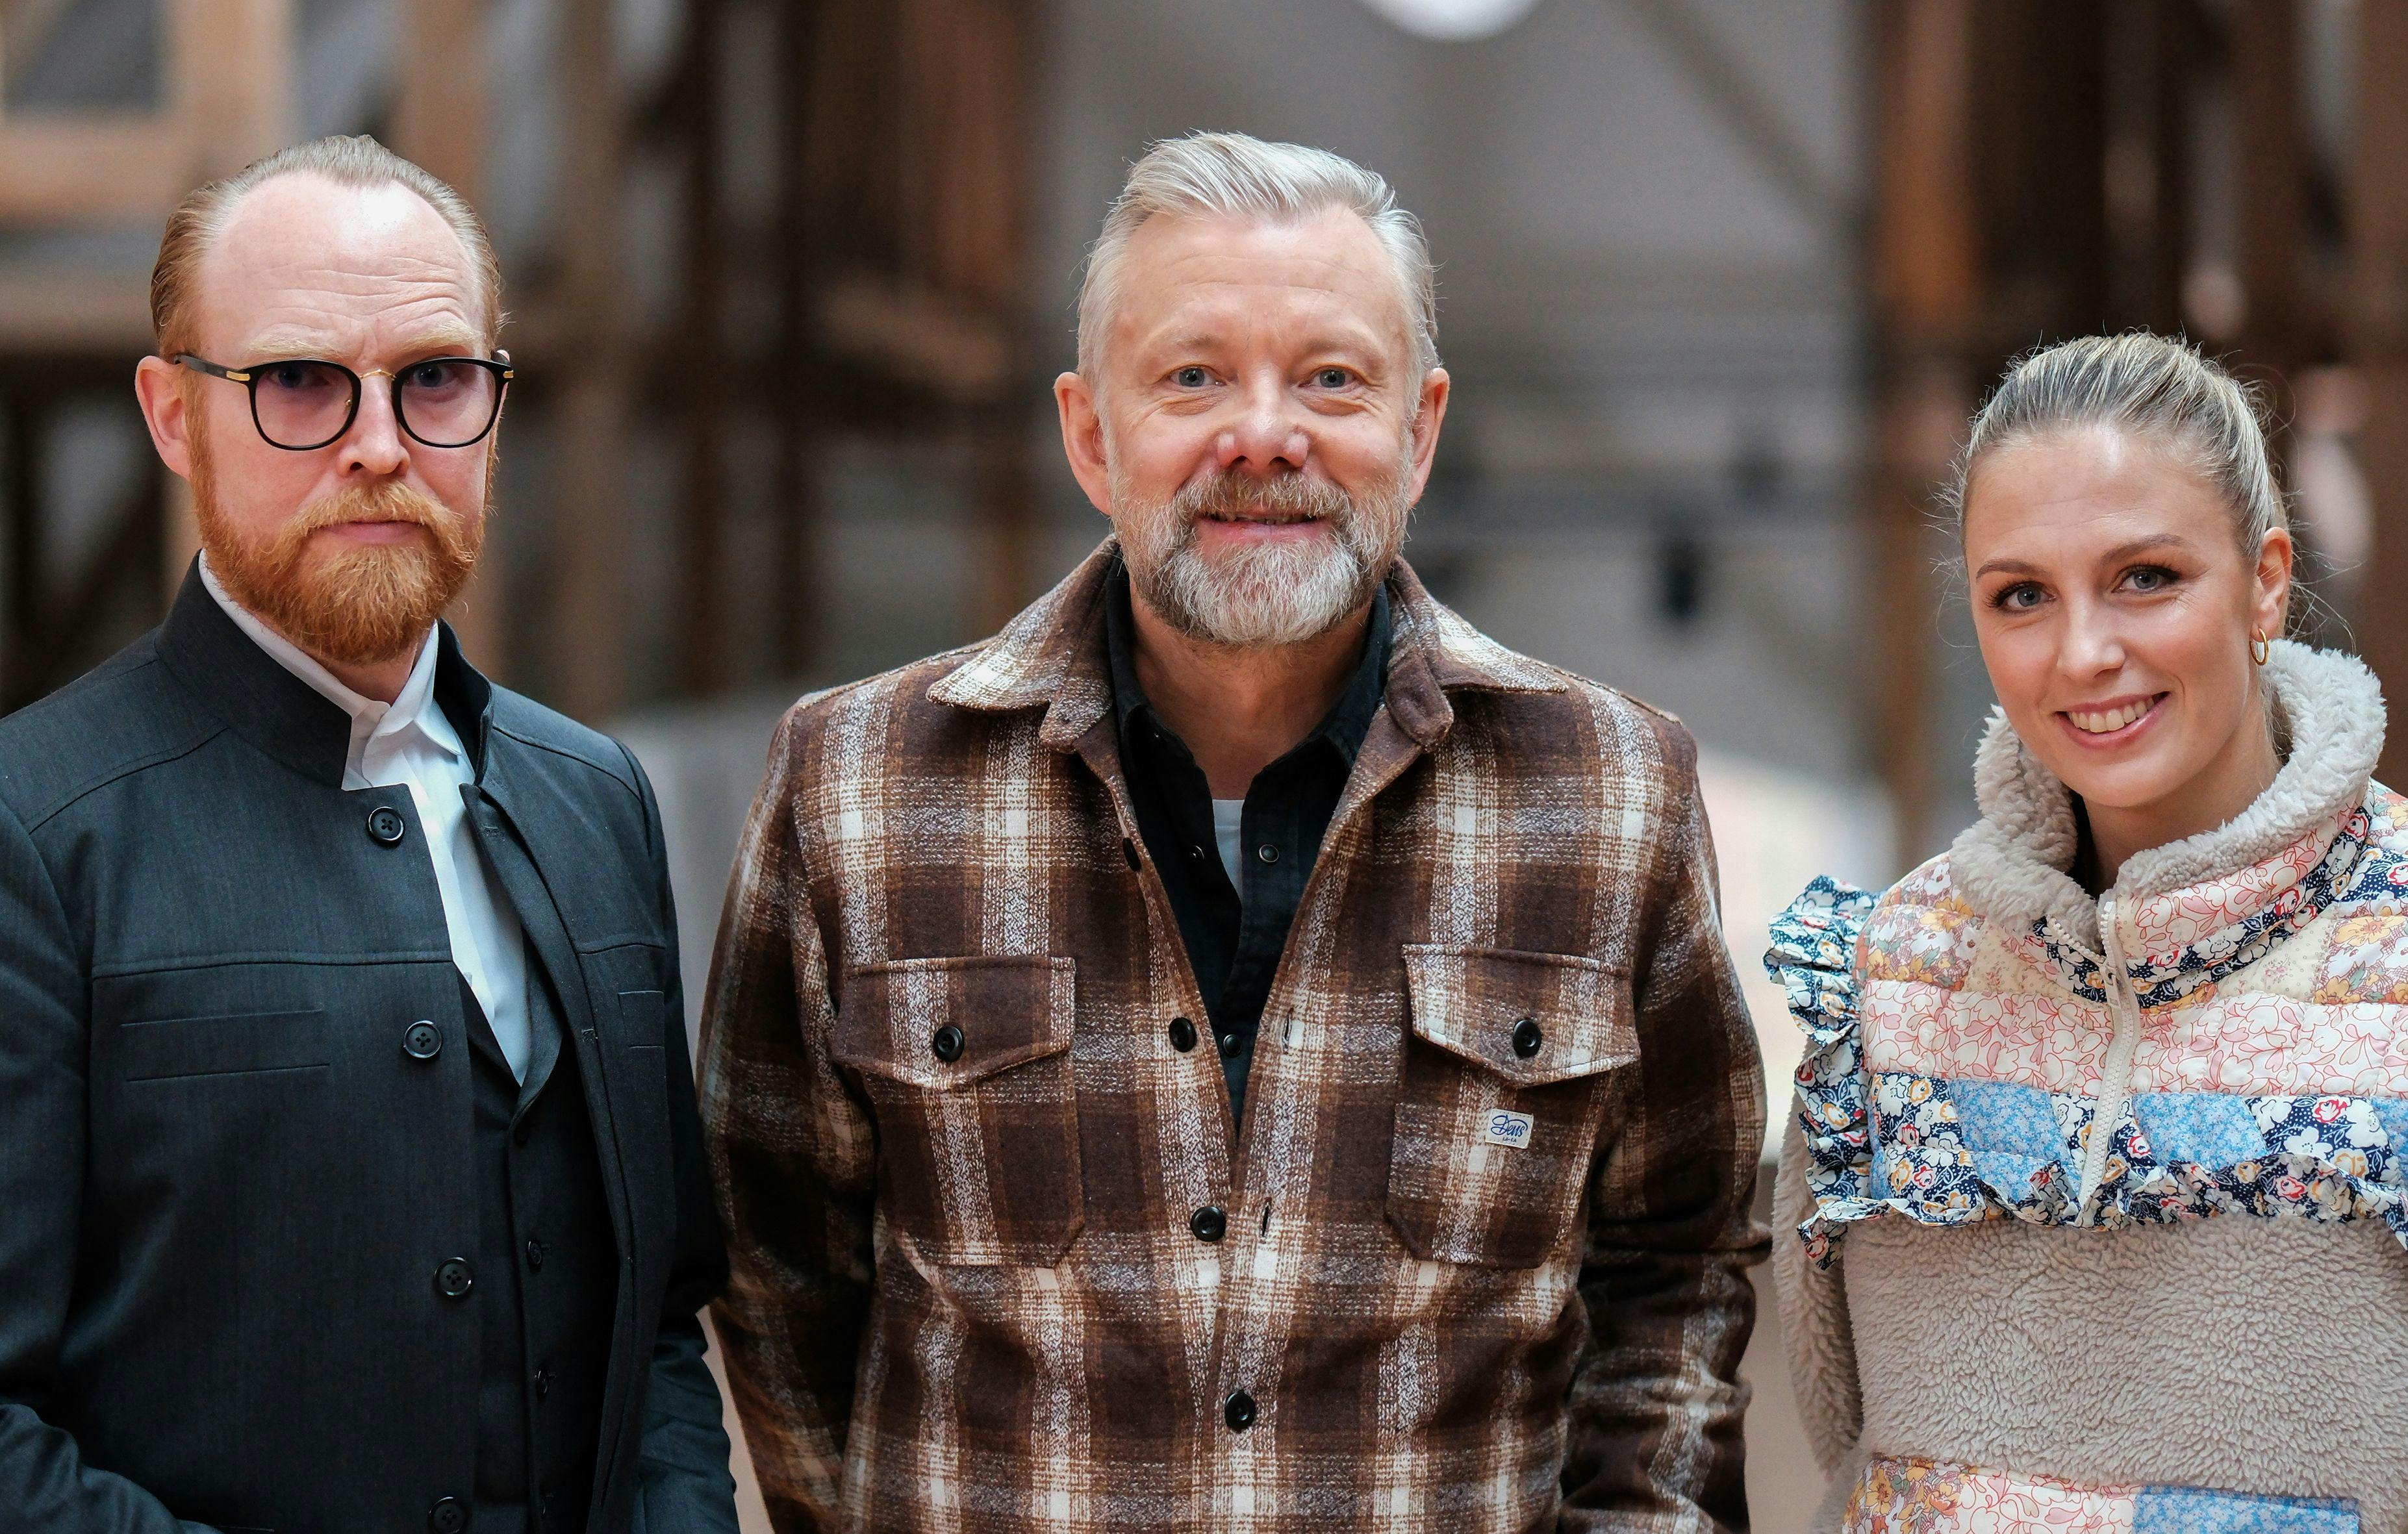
(2159, 390)
(352, 161)
(1222, 175)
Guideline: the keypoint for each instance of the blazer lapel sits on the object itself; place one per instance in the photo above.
(501, 836)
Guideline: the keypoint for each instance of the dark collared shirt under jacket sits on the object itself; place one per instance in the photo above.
(1473, 1258)
(1234, 938)
(284, 1244)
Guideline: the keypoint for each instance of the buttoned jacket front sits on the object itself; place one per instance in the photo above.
(237, 1181)
(1001, 1260)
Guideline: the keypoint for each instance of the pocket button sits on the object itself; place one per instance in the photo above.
(1527, 1038)
(421, 1041)
(946, 1043)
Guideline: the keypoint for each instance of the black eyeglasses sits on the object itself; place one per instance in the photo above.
(301, 403)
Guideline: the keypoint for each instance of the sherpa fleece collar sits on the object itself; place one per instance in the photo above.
(2012, 865)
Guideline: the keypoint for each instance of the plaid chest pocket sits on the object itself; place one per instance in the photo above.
(967, 1063)
(1505, 1078)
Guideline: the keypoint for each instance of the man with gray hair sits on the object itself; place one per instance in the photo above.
(1239, 1049)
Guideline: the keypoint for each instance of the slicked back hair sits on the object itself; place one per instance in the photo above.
(352, 161)
(1227, 175)
(2162, 391)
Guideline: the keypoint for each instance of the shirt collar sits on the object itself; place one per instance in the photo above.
(1343, 727)
(371, 721)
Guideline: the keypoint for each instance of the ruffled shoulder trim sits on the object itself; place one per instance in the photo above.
(1813, 957)
(1944, 1152)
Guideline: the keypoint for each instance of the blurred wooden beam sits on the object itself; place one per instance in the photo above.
(1926, 277)
(230, 80)
(702, 547)
(2378, 341)
(442, 122)
(46, 311)
(61, 170)
(592, 387)
(797, 423)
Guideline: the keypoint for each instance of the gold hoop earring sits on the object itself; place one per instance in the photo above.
(2259, 646)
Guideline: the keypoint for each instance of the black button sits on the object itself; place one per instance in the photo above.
(1230, 1044)
(1182, 1034)
(1527, 1038)
(946, 1043)
(1129, 850)
(1238, 1411)
(536, 1250)
(385, 828)
(454, 1279)
(421, 1041)
(448, 1515)
(1268, 852)
(1209, 1223)
(543, 1383)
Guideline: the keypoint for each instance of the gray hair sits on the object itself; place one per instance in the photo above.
(1223, 175)
(2153, 388)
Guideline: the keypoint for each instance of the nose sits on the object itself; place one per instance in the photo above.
(1267, 435)
(2092, 643)
(374, 446)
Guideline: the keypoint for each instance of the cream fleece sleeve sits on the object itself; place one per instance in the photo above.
(1814, 1326)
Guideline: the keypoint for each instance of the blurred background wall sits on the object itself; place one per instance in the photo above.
(1720, 281)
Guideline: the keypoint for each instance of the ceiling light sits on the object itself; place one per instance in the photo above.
(1453, 21)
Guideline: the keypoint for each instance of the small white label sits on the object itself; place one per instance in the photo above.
(1507, 1129)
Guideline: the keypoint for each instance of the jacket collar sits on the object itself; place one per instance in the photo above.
(2012, 865)
(1054, 656)
(275, 712)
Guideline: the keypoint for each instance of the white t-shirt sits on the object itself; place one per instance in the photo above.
(1228, 815)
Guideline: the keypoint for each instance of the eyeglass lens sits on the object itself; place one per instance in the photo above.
(443, 402)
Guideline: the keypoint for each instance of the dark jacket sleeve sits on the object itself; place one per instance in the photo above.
(45, 1484)
(1657, 1403)
(794, 1157)
(682, 1464)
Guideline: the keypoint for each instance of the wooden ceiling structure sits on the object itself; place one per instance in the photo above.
(2043, 171)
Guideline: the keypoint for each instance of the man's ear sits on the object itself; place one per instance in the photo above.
(1082, 438)
(1428, 415)
(159, 389)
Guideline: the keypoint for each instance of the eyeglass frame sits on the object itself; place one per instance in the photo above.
(249, 379)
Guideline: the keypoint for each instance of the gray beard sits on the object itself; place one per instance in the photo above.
(1269, 595)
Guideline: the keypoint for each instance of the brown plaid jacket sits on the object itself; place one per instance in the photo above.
(958, 1155)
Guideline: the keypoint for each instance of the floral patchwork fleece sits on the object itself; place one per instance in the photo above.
(2096, 1209)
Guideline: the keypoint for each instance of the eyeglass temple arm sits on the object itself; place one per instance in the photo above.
(233, 374)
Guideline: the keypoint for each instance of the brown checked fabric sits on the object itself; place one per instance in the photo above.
(1478, 1259)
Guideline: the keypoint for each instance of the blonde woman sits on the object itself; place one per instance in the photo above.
(2090, 1216)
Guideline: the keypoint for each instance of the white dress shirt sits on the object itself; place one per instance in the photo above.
(409, 743)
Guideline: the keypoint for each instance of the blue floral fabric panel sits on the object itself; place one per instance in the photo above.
(1813, 955)
(2206, 1128)
(2178, 1510)
(1950, 1152)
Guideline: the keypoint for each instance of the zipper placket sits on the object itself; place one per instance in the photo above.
(2115, 1073)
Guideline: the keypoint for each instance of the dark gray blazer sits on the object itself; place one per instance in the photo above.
(225, 1187)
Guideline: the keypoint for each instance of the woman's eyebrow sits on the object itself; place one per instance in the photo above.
(2123, 551)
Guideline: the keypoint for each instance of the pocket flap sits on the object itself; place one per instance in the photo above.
(1001, 1012)
(222, 1046)
(1475, 1001)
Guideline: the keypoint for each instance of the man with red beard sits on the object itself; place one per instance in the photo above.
(1239, 1049)
(351, 1172)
